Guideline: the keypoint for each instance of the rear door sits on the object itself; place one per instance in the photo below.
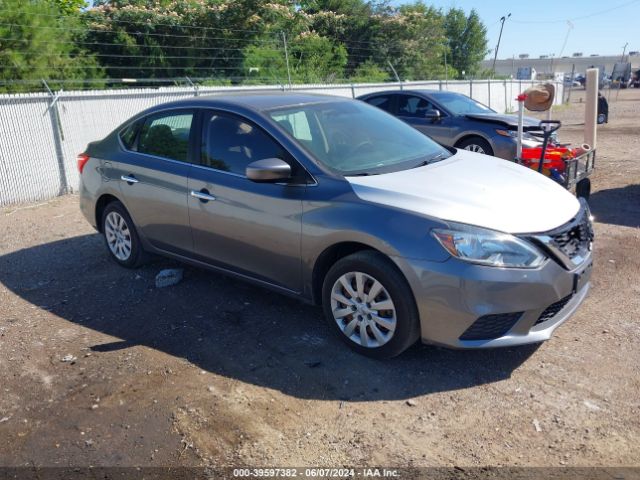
(383, 101)
(153, 178)
(250, 228)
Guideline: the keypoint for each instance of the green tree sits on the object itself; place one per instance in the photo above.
(467, 40)
(38, 43)
(369, 72)
(353, 23)
(194, 38)
(69, 7)
(412, 39)
(312, 59)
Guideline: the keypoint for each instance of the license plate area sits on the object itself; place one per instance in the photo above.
(582, 277)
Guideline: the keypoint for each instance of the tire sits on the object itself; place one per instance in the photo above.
(120, 236)
(475, 144)
(398, 326)
(583, 189)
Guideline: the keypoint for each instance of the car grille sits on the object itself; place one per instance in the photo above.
(489, 327)
(570, 243)
(553, 309)
(575, 238)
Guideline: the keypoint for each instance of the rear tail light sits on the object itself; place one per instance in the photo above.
(83, 158)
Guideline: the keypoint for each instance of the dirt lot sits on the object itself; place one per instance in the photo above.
(216, 372)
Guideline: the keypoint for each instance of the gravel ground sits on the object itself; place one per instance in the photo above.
(99, 367)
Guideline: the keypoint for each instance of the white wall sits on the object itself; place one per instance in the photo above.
(38, 152)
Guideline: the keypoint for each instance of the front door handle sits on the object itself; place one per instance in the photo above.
(203, 195)
(130, 179)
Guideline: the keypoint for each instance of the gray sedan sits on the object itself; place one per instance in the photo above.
(340, 204)
(456, 120)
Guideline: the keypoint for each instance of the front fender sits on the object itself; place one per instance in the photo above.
(330, 219)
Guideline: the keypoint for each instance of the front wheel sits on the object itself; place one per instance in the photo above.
(476, 144)
(368, 302)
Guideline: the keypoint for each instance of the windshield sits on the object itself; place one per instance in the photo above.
(459, 104)
(354, 138)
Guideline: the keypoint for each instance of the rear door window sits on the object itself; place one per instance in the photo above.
(381, 101)
(167, 135)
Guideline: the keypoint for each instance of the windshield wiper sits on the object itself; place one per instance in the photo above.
(430, 160)
(437, 157)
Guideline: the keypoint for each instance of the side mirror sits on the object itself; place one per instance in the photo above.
(268, 170)
(434, 114)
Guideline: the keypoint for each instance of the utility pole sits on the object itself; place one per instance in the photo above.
(495, 57)
(624, 49)
(286, 57)
(446, 76)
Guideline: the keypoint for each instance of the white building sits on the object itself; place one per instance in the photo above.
(551, 65)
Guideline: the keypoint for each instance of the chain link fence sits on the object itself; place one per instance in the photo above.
(41, 134)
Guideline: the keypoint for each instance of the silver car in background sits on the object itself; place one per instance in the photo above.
(341, 204)
(456, 120)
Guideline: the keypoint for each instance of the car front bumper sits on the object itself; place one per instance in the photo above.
(452, 296)
(504, 147)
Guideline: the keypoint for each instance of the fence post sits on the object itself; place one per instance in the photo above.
(195, 87)
(440, 84)
(471, 87)
(286, 56)
(507, 106)
(353, 91)
(58, 137)
(489, 86)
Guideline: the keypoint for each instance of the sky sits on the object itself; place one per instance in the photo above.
(539, 27)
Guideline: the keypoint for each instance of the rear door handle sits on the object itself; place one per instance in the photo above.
(203, 195)
(130, 179)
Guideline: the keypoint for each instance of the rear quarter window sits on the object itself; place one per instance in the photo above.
(128, 135)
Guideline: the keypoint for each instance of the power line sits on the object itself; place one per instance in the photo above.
(145, 34)
(129, 45)
(88, 14)
(583, 17)
(348, 42)
(163, 57)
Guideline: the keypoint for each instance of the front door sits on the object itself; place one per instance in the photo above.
(250, 228)
(412, 109)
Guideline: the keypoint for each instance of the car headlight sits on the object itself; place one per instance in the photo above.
(526, 136)
(486, 247)
(507, 133)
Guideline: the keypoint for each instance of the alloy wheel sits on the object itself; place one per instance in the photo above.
(118, 236)
(363, 309)
(474, 148)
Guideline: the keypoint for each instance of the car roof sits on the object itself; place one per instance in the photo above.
(423, 91)
(258, 101)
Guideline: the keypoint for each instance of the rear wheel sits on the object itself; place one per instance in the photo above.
(370, 305)
(120, 236)
(476, 144)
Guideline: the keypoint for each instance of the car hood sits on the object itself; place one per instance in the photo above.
(510, 121)
(474, 189)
